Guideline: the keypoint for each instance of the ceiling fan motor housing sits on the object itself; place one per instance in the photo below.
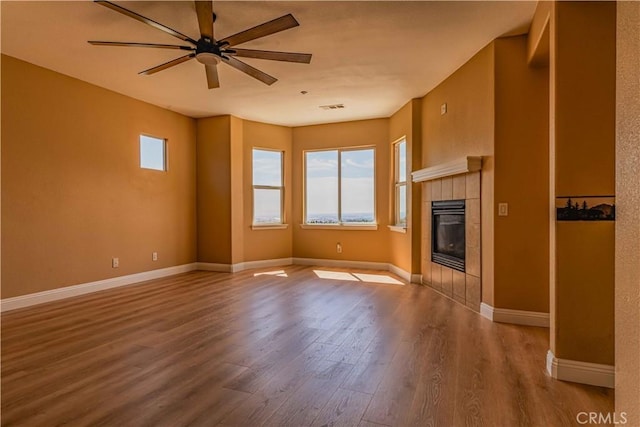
(208, 52)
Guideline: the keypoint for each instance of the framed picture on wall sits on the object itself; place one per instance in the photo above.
(585, 208)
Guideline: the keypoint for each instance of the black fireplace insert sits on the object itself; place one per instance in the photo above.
(448, 233)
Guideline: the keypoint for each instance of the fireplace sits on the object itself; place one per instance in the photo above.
(448, 233)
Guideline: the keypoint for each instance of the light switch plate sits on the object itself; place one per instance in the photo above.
(503, 209)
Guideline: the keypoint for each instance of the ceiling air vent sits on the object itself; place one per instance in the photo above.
(332, 107)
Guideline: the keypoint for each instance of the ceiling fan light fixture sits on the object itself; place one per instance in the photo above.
(208, 58)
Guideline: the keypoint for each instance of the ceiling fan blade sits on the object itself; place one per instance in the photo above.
(145, 20)
(204, 9)
(168, 64)
(273, 56)
(248, 69)
(212, 76)
(279, 24)
(133, 44)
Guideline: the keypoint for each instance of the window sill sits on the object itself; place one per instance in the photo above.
(398, 228)
(269, 226)
(363, 227)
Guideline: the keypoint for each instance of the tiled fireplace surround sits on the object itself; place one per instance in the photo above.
(464, 288)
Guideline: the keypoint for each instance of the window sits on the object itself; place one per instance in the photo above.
(152, 153)
(400, 181)
(339, 187)
(267, 187)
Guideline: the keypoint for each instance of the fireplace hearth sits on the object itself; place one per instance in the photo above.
(448, 233)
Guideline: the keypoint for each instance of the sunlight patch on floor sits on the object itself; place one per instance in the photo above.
(335, 275)
(357, 277)
(279, 273)
(378, 278)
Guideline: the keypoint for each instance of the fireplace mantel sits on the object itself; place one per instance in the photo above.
(463, 165)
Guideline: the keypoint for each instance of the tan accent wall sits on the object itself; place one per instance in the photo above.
(266, 243)
(467, 129)
(73, 193)
(582, 141)
(521, 179)
(357, 245)
(213, 185)
(627, 241)
(405, 248)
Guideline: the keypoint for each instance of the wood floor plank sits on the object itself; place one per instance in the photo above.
(302, 407)
(277, 389)
(394, 396)
(256, 348)
(344, 409)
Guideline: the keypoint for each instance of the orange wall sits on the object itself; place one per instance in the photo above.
(627, 251)
(521, 179)
(582, 63)
(357, 245)
(236, 190)
(467, 129)
(73, 194)
(262, 244)
(214, 189)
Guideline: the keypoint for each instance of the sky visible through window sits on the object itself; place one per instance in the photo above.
(356, 182)
(152, 153)
(401, 193)
(402, 161)
(267, 172)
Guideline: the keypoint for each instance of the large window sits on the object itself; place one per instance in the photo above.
(340, 186)
(267, 187)
(400, 180)
(152, 153)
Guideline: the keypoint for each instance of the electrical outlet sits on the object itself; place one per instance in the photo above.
(154, 256)
(503, 209)
(115, 262)
(339, 247)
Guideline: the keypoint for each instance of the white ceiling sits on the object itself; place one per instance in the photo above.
(371, 56)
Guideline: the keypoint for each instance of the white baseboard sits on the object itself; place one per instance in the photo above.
(261, 264)
(85, 288)
(400, 272)
(580, 372)
(241, 266)
(22, 301)
(342, 263)
(383, 266)
(210, 266)
(486, 311)
(516, 317)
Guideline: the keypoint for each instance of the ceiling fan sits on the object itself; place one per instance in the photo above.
(209, 51)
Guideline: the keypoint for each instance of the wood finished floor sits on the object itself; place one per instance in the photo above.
(207, 349)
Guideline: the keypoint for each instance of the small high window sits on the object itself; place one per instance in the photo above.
(153, 153)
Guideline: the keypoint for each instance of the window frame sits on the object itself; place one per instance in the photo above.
(254, 187)
(398, 184)
(340, 224)
(165, 152)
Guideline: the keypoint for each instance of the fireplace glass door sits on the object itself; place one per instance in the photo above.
(448, 233)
